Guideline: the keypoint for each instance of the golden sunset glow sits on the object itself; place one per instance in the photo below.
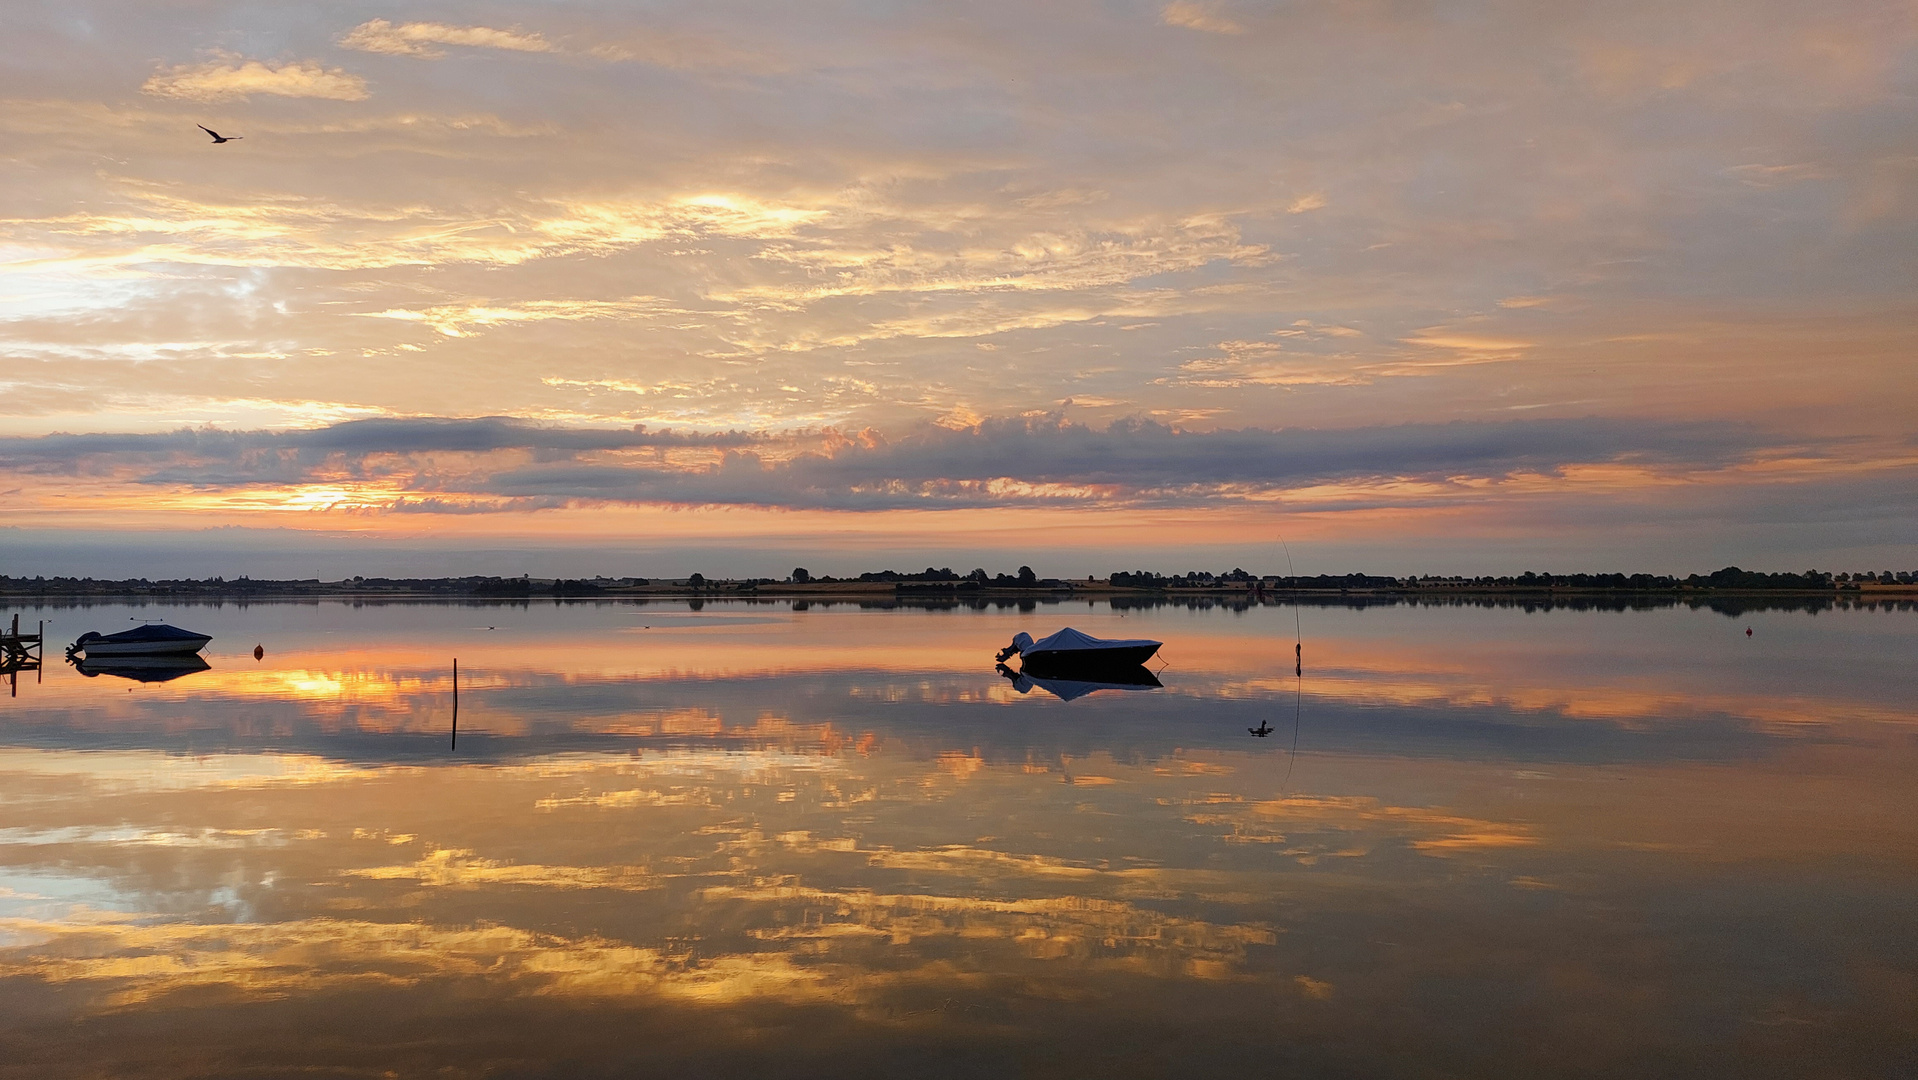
(768, 286)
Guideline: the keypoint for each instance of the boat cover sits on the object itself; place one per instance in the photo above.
(1070, 640)
(140, 635)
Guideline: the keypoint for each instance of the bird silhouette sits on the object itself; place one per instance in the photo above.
(1261, 731)
(217, 137)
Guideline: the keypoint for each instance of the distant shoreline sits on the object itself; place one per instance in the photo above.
(490, 590)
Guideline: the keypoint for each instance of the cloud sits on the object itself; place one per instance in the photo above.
(1076, 256)
(1194, 16)
(1457, 347)
(359, 438)
(419, 38)
(159, 225)
(493, 464)
(230, 77)
(459, 320)
(1137, 456)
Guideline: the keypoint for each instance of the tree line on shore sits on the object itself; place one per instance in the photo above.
(946, 579)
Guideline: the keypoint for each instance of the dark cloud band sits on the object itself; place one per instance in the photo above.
(496, 464)
(409, 435)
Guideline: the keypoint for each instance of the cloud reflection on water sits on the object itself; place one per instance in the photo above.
(729, 824)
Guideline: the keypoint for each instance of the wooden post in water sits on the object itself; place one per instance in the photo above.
(455, 743)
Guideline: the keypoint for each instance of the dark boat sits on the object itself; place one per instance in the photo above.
(153, 639)
(1070, 651)
(161, 668)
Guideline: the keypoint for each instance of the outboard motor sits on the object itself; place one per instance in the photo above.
(1021, 641)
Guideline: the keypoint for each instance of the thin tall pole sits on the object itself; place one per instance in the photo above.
(1298, 668)
(455, 744)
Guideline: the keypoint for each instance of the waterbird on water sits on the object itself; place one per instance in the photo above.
(217, 137)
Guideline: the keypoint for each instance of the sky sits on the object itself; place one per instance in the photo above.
(650, 288)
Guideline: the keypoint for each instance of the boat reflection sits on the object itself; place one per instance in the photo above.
(147, 669)
(1135, 678)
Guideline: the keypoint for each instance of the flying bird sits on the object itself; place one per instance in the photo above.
(217, 137)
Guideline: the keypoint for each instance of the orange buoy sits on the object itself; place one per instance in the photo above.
(259, 651)
(1748, 631)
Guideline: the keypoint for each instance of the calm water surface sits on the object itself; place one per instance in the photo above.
(833, 842)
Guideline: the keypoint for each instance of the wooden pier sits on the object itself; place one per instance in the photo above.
(20, 652)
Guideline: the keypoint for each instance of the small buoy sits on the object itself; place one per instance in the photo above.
(259, 651)
(1748, 631)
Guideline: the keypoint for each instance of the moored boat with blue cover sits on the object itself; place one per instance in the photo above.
(153, 639)
(1071, 650)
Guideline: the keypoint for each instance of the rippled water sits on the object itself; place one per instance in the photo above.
(752, 839)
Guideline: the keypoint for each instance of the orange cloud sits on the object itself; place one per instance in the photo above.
(1197, 16)
(419, 38)
(232, 78)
